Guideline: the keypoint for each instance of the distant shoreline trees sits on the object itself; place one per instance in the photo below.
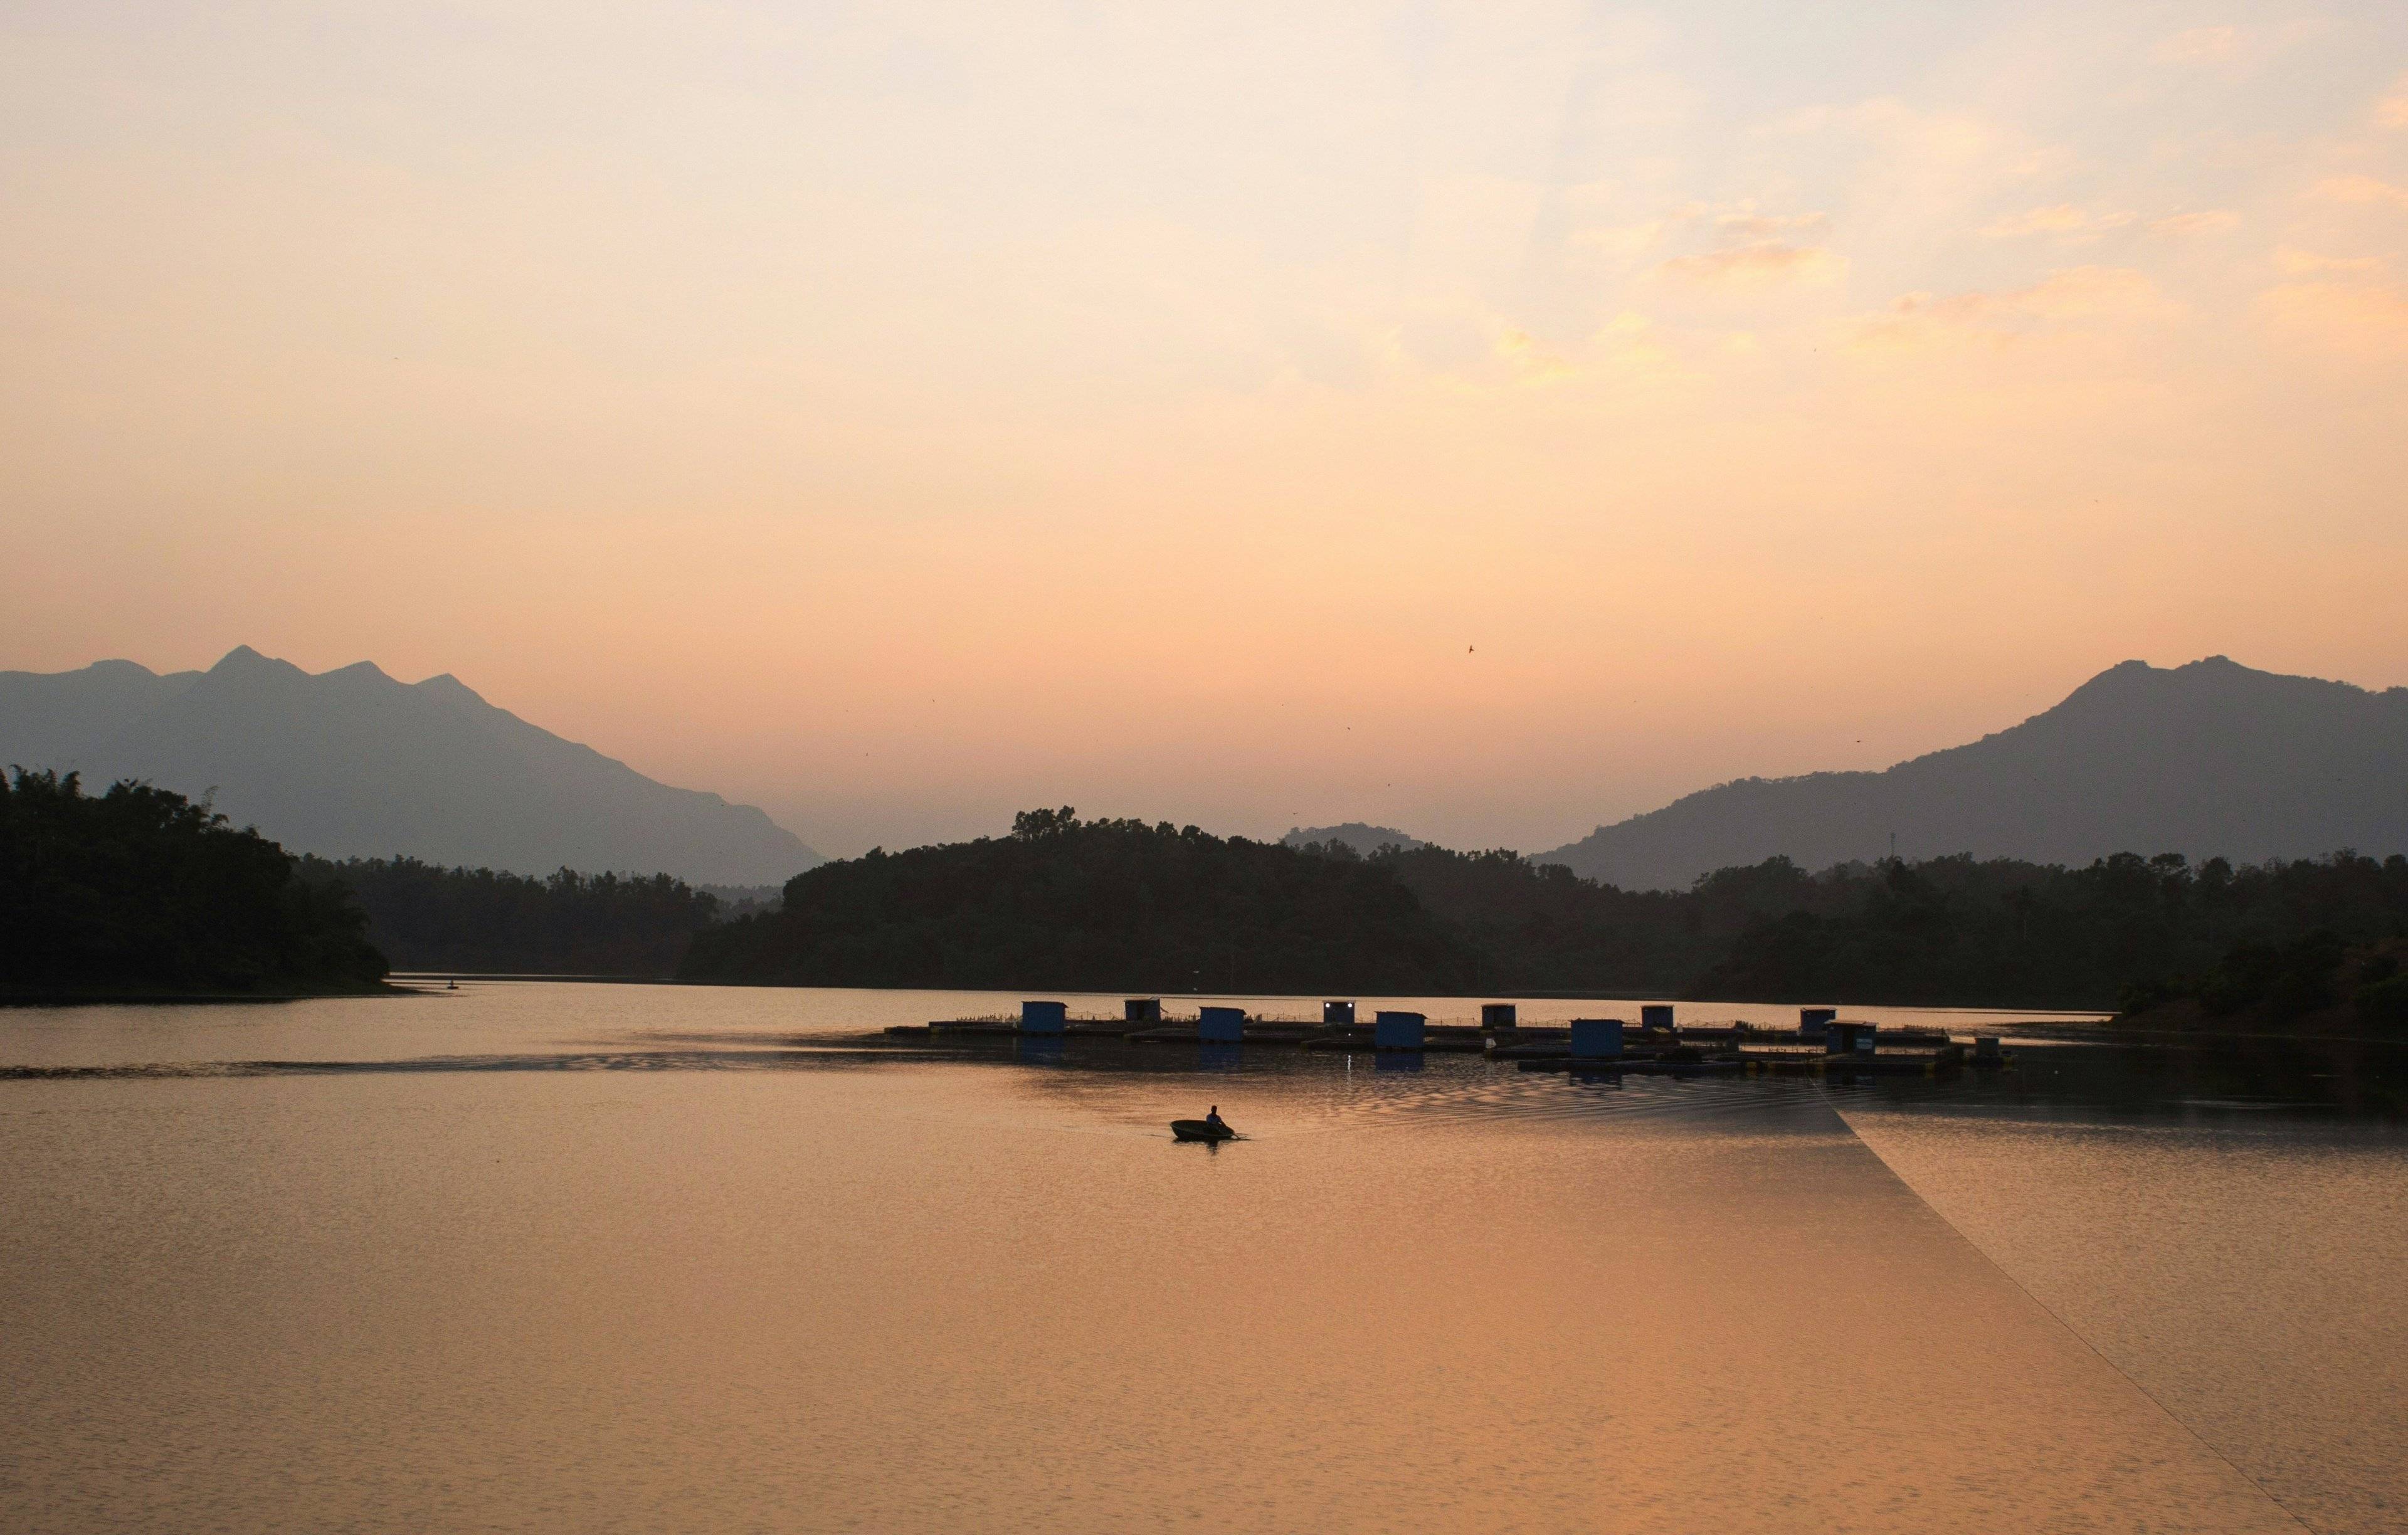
(139, 890)
(1093, 905)
(426, 917)
(1110, 905)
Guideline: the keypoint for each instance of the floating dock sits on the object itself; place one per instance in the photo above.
(1822, 1044)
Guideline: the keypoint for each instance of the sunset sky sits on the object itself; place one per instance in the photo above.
(1489, 420)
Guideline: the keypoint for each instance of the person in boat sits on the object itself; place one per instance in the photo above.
(1212, 1120)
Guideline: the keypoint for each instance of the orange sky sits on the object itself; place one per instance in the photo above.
(1489, 420)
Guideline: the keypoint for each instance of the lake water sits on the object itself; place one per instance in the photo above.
(553, 1258)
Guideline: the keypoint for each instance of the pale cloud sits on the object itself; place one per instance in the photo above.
(1727, 225)
(1620, 242)
(1530, 358)
(2293, 262)
(2208, 220)
(1762, 264)
(2392, 110)
(2234, 50)
(1766, 226)
(2360, 189)
(1948, 138)
(2076, 297)
(2090, 293)
(2365, 318)
(1930, 161)
(1630, 343)
(2201, 45)
(2063, 220)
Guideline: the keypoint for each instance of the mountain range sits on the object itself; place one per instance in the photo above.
(2208, 759)
(354, 763)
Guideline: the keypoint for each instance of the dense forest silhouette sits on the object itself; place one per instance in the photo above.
(139, 890)
(1095, 905)
(1107, 905)
(426, 917)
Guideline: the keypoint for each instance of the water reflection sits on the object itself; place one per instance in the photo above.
(638, 1258)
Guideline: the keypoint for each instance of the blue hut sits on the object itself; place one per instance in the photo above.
(1337, 1015)
(1849, 1039)
(1811, 1022)
(1141, 1010)
(1397, 1030)
(1595, 1038)
(1043, 1017)
(1220, 1026)
(1498, 1015)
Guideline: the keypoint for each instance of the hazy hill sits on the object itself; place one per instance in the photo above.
(2209, 759)
(1364, 840)
(353, 763)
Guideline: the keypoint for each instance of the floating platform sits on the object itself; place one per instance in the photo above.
(1714, 1050)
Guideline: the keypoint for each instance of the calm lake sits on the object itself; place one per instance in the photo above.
(597, 1258)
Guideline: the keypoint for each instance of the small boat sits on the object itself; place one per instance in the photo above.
(1200, 1129)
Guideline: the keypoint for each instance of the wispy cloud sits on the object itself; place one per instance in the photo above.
(2206, 221)
(1767, 226)
(2294, 261)
(2365, 318)
(2360, 189)
(2392, 110)
(1761, 263)
(2063, 220)
(1726, 224)
(2234, 50)
(2201, 45)
(2073, 296)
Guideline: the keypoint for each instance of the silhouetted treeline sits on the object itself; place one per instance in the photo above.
(139, 890)
(1544, 929)
(426, 917)
(1112, 905)
(1955, 930)
(2275, 984)
(1095, 905)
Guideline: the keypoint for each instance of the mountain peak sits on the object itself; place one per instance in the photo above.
(449, 689)
(242, 661)
(355, 763)
(2209, 758)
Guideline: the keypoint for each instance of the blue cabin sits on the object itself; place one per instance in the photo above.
(1141, 1010)
(1592, 1038)
(1498, 1015)
(1811, 1022)
(1337, 1015)
(1397, 1030)
(1220, 1026)
(1656, 1015)
(1849, 1039)
(1043, 1017)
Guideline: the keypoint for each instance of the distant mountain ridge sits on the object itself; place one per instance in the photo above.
(351, 763)
(2212, 758)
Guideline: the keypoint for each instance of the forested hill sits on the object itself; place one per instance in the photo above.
(140, 891)
(1095, 905)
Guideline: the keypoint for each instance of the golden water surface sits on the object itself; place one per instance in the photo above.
(619, 1258)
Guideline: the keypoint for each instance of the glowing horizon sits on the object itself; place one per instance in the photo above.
(1489, 421)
